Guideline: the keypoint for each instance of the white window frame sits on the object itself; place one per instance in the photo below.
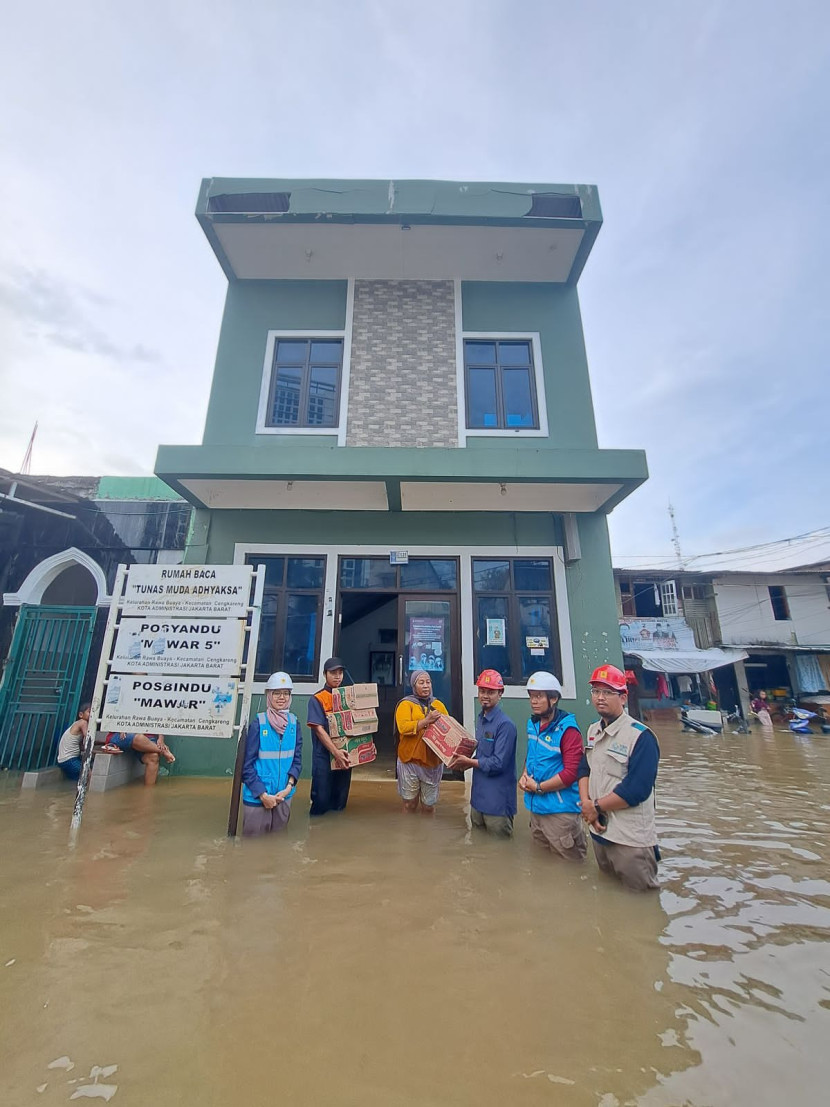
(668, 598)
(339, 430)
(465, 554)
(461, 336)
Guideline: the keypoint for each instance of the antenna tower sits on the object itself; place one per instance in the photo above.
(26, 467)
(675, 539)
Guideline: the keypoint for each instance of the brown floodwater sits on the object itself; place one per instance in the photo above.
(377, 959)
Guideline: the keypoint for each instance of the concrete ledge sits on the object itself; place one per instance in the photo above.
(39, 778)
(111, 770)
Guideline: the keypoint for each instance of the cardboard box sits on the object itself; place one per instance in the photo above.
(361, 751)
(354, 696)
(344, 724)
(448, 738)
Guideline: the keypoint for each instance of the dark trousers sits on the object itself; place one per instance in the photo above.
(329, 787)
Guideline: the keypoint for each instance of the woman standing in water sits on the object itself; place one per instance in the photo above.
(273, 758)
(419, 768)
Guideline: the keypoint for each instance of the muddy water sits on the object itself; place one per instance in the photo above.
(376, 959)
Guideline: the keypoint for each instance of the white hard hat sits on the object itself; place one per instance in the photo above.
(544, 682)
(279, 680)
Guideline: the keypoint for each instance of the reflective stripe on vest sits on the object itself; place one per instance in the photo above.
(544, 760)
(276, 752)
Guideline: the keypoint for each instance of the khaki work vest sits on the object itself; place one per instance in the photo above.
(608, 752)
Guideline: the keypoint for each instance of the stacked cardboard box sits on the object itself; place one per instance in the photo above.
(354, 696)
(448, 739)
(353, 721)
(361, 750)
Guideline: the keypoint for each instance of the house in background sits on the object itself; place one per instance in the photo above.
(748, 630)
(401, 430)
(61, 540)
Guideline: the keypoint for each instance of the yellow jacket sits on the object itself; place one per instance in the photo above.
(411, 746)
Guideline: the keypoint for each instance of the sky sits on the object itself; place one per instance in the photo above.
(704, 302)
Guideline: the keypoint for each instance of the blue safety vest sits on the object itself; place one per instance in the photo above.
(276, 752)
(544, 760)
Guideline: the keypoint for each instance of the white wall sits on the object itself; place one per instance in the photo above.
(745, 610)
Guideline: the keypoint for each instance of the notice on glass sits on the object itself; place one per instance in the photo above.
(426, 643)
(188, 646)
(183, 705)
(182, 591)
(496, 634)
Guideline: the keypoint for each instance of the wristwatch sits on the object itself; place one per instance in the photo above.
(599, 809)
(538, 787)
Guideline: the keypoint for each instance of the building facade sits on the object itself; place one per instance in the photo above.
(400, 428)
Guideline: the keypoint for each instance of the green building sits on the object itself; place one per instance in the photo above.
(400, 429)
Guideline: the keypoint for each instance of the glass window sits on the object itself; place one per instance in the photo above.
(515, 612)
(292, 604)
(491, 576)
(305, 384)
(371, 573)
(429, 574)
(500, 384)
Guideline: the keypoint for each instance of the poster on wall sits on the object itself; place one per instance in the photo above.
(426, 643)
(656, 634)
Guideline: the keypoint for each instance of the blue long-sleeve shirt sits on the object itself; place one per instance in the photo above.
(494, 781)
(249, 773)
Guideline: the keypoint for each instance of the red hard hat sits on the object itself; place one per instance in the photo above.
(609, 675)
(490, 679)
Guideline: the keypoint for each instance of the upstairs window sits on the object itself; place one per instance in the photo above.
(780, 607)
(305, 383)
(500, 384)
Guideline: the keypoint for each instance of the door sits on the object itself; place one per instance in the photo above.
(428, 638)
(43, 681)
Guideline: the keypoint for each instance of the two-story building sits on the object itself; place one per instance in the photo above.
(401, 430)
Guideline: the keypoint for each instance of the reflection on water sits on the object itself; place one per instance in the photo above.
(375, 959)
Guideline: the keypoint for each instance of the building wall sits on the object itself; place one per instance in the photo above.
(402, 373)
(745, 610)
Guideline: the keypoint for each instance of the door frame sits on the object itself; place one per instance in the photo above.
(456, 684)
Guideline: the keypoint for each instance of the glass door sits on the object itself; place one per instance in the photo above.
(428, 638)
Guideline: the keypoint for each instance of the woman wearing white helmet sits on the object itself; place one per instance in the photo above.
(549, 780)
(273, 758)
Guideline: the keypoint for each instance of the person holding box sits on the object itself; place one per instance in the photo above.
(331, 775)
(419, 769)
(273, 759)
(493, 795)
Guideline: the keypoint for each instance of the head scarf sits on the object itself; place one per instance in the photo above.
(412, 679)
(277, 718)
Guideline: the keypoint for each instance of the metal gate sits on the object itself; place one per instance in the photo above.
(42, 683)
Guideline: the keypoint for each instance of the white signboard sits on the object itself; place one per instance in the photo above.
(182, 591)
(177, 704)
(158, 645)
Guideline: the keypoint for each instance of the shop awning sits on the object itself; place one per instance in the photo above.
(686, 661)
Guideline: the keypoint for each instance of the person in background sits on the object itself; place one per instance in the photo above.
(273, 759)
(761, 708)
(616, 785)
(554, 752)
(419, 768)
(329, 787)
(148, 748)
(493, 795)
(71, 744)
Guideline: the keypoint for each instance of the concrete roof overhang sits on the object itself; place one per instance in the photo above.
(402, 479)
(395, 230)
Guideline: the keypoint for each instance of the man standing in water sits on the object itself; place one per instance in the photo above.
(493, 795)
(419, 769)
(329, 787)
(554, 751)
(616, 785)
